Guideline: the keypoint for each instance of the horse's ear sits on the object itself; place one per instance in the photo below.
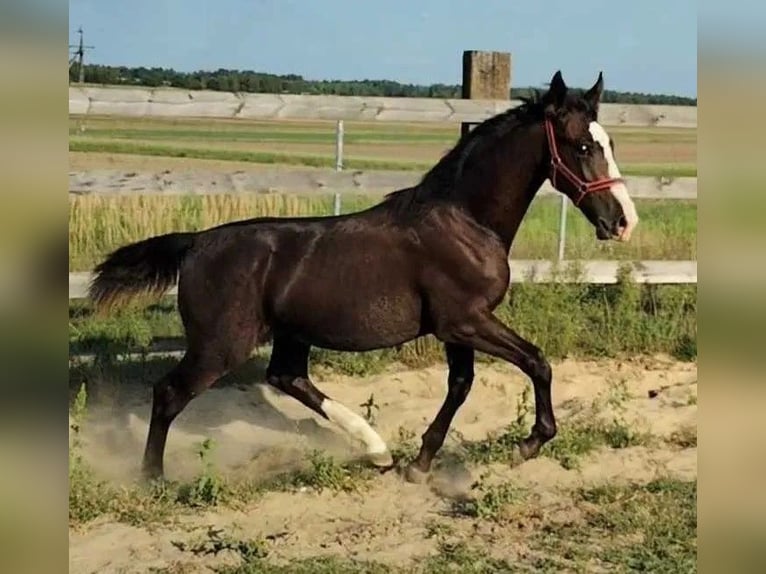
(554, 97)
(593, 96)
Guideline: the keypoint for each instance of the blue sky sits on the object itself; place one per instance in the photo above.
(644, 46)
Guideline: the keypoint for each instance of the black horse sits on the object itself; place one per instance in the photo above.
(430, 259)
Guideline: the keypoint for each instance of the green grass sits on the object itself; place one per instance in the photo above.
(98, 225)
(79, 144)
(151, 503)
(490, 502)
(685, 437)
(326, 136)
(626, 528)
(160, 502)
(580, 433)
(324, 132)
(143, 504)
(325, 473)
(394, 130)
(254, 559)
(569, 320)
(614, 527)
(667, 324)
(309, 160)
(649, 527)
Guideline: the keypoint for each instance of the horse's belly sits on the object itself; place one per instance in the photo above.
(356, 322)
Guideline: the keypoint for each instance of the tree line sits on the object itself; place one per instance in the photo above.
(259, 82)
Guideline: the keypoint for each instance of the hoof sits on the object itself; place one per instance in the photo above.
(150, 473)
(415, 475)
(381, 459)
(529, 448)
(517, 456)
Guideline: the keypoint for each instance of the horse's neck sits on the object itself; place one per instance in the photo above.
(502, 202)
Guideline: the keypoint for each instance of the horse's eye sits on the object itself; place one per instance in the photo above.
(584, 149)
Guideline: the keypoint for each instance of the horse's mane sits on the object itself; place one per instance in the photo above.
(441, 182)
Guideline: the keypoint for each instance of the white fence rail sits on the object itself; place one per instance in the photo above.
(596, 272)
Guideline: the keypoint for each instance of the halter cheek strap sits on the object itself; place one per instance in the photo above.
(557, 166)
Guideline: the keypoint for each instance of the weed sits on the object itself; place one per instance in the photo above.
(575, 438)
(143, 504)
(405, 448)
(88, 496)
(146, 505)
(491, 500)
(99, 224)
(325, 473)
(175, 567)
(602, 320)
(624, 528)
(656, 524)
(215, 541)
(503, 448)
(207, 488)
(370, 410)
(436, 529)
(584, 431)
(313, 565)
(617, 433)
(685, 437)
(460, 557)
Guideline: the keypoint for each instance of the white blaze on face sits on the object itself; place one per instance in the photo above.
(618, 190)
(354, 425)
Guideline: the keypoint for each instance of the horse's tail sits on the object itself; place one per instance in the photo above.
(147, 267)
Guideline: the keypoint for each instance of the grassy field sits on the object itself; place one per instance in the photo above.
(585, 321)
(653, 151)
(99, 224)
(257, 484)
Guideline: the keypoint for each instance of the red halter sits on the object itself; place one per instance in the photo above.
(557, 165)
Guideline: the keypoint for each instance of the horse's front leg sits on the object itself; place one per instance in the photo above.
(484, 332)
(460, 360)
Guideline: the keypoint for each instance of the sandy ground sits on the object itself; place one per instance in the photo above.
(257, 430)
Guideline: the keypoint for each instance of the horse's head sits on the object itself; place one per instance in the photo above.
(582, 160)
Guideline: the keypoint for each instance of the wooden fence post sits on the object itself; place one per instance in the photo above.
(486, 76)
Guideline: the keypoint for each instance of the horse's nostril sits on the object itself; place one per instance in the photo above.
(623, 222)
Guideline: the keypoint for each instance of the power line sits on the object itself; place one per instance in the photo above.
(79, 55)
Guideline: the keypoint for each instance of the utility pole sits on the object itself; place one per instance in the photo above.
(79, 54)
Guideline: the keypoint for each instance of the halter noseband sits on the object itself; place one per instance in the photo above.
(557, 165)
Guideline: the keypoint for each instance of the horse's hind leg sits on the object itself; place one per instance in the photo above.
(288, 372)
(193, 375)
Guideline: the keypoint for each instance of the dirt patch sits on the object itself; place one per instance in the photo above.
(258, 430)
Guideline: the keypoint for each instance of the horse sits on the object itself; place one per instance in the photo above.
(431, 259)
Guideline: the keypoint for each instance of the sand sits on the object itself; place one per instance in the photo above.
(257, 430)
